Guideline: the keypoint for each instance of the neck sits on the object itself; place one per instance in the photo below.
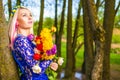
(24, 32)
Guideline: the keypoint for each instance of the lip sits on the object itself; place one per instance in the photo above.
(30, 22)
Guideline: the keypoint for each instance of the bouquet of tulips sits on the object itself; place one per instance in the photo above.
(45, 49)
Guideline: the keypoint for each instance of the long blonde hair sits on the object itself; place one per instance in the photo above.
(12, 26)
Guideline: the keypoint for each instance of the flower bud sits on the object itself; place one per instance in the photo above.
(36, 69)
(60, 61)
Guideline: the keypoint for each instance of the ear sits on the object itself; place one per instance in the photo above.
(16, 24)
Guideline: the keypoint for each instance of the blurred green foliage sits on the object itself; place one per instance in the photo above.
(49, 22)
(115, 58)
(116, 39)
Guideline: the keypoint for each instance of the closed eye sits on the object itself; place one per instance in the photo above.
(24, 15)
(30, 14)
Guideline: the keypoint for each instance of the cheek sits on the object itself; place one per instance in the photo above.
(22, 22)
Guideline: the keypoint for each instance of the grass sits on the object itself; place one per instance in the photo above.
(115, 62)
(116, 38)
(79, 56)
(114, 58)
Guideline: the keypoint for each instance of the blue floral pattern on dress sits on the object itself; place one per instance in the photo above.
(23, 54)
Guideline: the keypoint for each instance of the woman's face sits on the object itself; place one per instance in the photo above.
(25, 19)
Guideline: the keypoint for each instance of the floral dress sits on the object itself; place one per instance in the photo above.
(23, 54)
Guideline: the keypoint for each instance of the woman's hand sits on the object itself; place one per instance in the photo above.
(54, 66)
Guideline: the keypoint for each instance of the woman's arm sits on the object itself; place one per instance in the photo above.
(23, 47)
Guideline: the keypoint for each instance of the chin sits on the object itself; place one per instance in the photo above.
(29, 26)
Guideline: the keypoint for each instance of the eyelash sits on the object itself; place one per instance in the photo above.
(31, 15)
(25, 15)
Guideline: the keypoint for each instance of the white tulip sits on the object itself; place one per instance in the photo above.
(36, 69)
(60, 61)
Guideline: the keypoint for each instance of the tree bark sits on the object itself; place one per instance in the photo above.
(9, 7)
(75, 36)
(108, 22)
(57, 36)
(88, 43)
(41, 18)
(55, 24)
(8, 69)
(69, 75)
(60, 32)
(98, 33)
(77, 25)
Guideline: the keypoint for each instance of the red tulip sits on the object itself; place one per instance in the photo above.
(37, 56)
(39, 47)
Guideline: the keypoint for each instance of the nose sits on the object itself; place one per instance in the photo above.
(30, 17)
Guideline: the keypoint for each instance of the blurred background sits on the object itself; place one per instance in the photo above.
(88, 36)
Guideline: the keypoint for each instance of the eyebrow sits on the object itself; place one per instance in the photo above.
(25, 12)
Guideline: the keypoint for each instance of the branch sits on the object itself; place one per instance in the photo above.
(116, 10)
(80, 35)
(91, 15)
(97, 5)
(79, 47)
(101, 3)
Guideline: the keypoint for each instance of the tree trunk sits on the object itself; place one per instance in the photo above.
(55, 24)
(102, 40)
(57, 40)
(56, 14)
(9, 7)
(41, 18)
(109, 16)
(69, 75)
(98, 34)
(8, 69)
(75, 36)
(88, 43)
(60, 32)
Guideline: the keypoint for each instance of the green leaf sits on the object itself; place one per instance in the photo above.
(51, 74)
